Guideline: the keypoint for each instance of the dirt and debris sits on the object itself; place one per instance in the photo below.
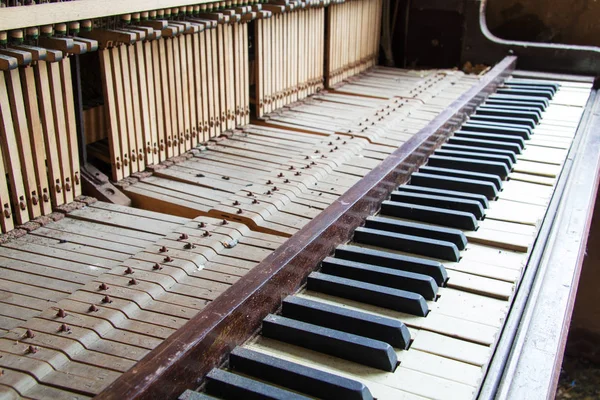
(579, 380)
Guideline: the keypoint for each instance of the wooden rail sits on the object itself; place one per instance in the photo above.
(205, 341)
(52, 13)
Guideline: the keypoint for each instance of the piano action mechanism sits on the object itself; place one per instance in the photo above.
(233, 199)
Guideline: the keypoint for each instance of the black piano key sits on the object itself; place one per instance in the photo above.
(509, 139)
(515, 106)
(412, 228)
(319, 384)
(507, 112)
(487, 189)
(546, 94)
(359, 349)
(497, 128)
(532, 82)
(490, 144)
(457, 173)
(448, 193)
(397, 279)
(510, 97)
(227, 385)
(387, 330)
(396, 261)
(408, 243)
(531, 86)
(509, 102)
(476, 155)
(432, 215)
(193, 395)
(484, 167)
(475, 151)
(477, 117)
(450, 203)
(368, 293)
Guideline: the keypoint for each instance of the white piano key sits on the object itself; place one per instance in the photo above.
(436, 322)
(401, 384)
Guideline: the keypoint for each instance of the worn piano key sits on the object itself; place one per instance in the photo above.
(516, 82)
(370, 352)
(417, 283)
(497, 128)
(396, 261)
(487, 189)
(484, 143)
(460, 151)
(227, 385)
(526, 91)
(297, 377)
(533, 112)
(452, 203)
(482, 118)
(485, 167)
(542, 102)
(445, 217)
(382, 296)
(508, 102)
(411, 228)
(463, 174)
(510, 113)
(447, 193)
(479, 152)
(514, 140)
(405, 384)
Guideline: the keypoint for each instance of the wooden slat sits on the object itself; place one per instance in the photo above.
(11, 155)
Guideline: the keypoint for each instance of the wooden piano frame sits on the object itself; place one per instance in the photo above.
(528, 356)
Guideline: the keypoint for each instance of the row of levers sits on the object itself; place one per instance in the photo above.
(226, 127)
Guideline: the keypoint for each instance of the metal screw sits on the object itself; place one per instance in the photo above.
(29, 334)
(106, 299)
(129, 271)
(103, 286)
(93, 308)
(61, 313)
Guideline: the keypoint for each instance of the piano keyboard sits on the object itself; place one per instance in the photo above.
(413, 305)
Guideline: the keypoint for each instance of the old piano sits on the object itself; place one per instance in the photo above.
(235, 200)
